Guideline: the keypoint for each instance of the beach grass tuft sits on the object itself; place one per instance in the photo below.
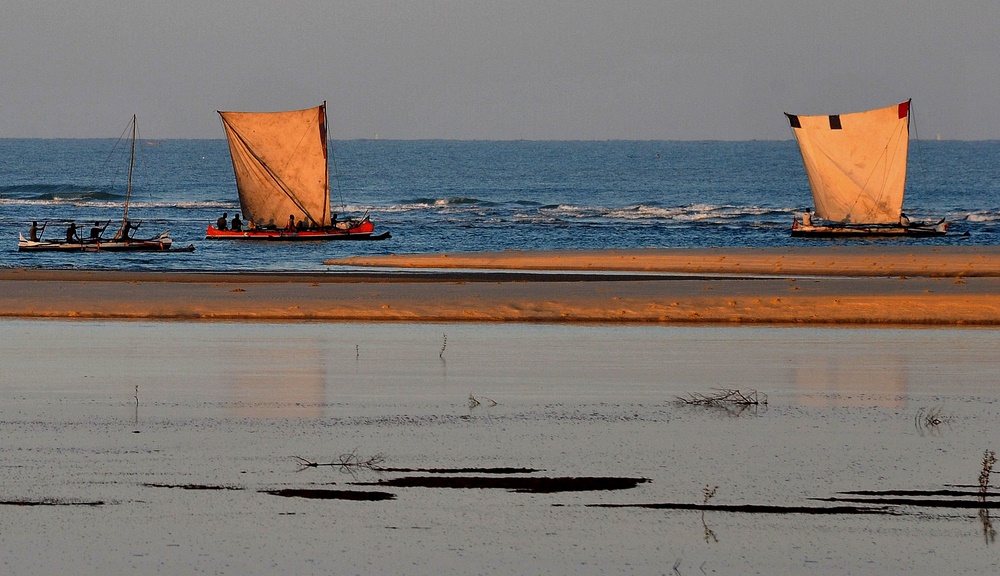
(989, 459)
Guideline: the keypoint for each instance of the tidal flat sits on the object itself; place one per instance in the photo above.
(265, 447)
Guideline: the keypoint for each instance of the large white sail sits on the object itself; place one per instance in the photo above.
(280, 161)
(856, 163)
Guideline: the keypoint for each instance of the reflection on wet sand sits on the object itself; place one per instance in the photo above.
(837, 381)
(277, 380)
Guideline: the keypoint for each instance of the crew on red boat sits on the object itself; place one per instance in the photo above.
(220, 224)
(237, 224)
(97, 230)
(290, 227)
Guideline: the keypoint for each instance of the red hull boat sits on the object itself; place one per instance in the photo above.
(280, 160)
(353, 230)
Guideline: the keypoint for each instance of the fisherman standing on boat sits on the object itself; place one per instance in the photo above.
(71, 233)
(220, 224)
(34, 231)
(97, 230)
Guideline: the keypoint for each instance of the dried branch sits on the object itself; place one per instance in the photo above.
(723, 397)
(347, 462)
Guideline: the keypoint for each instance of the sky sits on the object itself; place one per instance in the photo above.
(497, 69)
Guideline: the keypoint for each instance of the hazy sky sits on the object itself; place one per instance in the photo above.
(497, 69)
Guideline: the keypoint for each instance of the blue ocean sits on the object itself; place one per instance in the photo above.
(450, 196)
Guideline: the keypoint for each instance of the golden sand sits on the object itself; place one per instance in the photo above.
(825, 285)
(842, 261)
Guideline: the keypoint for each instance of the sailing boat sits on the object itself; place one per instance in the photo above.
(122, 241)
(282, 177)
(856, 165)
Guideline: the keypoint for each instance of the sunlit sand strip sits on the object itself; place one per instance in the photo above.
(799, 261)
(462, 297)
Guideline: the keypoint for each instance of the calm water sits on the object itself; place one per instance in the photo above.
(469, 196)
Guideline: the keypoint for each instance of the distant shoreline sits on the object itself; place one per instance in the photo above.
(898, 285)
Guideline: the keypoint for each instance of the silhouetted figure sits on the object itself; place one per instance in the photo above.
(71, 233)
(220, 224)
(97, 230)
(34, 231)
(127, 230)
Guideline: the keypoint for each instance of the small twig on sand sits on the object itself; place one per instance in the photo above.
(474, 402)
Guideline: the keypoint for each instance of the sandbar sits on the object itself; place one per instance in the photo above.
(898, 285)
(813, 260)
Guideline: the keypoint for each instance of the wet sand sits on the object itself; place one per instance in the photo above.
(149, 447)
(922, 285)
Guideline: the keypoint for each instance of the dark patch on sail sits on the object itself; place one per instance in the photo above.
(331, 494)
(531, 485)
(793, 120)
(835, 122)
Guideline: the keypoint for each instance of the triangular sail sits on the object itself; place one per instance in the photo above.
(856, 163)
(280, 161)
